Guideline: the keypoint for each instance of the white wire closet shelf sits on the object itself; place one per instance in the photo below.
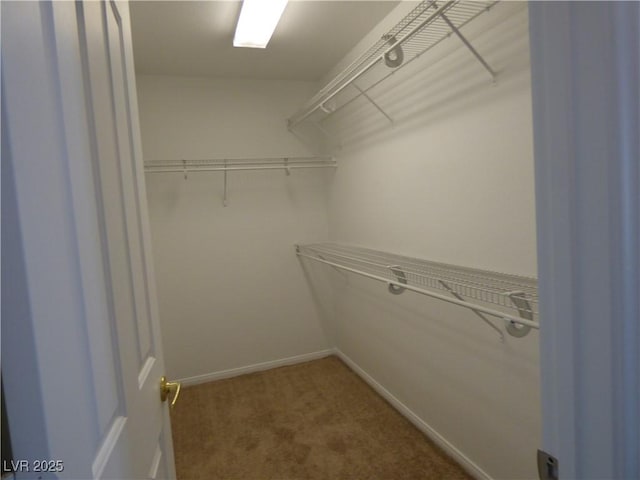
(423, 28)
(287, 164)
(511, 298)
(238, 164)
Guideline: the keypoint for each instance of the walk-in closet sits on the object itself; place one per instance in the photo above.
(374, 202)
(372, 240)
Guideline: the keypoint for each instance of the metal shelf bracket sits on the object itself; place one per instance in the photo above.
(524, 309)
(467, 44)
(402, 278)
(373, 102)
(479, 314)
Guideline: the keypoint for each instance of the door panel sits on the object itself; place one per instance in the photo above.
(129, 187)
(138, 435)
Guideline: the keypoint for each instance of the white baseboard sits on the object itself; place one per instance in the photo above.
(464, 461)
(234, 372)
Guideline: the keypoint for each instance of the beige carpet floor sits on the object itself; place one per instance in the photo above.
(316, 420)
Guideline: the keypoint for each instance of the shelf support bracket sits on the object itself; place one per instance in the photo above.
(469, 46)
(525, 311)
(402, 278)
(479, 314)
(373, 102)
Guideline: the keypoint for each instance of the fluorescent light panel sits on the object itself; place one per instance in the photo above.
(258, 20)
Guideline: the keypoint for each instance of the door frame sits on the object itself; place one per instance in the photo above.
(45, 188)
(54, 282)
(585, 63)
(589, 368)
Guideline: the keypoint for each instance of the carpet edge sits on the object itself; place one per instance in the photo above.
(465, 462)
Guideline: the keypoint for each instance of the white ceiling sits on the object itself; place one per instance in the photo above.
(195, 38)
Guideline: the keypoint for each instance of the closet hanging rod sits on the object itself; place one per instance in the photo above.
(241, 160)
(231, 169)
(422, 276)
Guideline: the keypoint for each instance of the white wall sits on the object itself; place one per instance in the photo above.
(231, 291)
(452, 181)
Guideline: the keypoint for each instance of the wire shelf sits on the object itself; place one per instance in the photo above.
(232, 164)
(237, 164)
(511, 293)
(422, 29)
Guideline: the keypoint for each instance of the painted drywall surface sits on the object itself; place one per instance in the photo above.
(451, 181)
(230, 288)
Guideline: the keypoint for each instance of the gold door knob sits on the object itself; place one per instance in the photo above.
(169, 388)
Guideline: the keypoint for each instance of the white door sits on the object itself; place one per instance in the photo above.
(585, 63)
(73, 149)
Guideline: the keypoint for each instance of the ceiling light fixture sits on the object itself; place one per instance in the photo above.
(258, 20)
